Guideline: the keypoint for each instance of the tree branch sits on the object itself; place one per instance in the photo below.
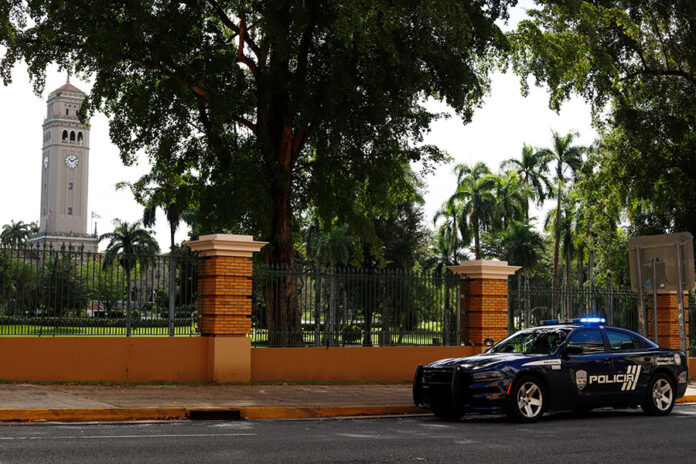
(243, 37)
(241, 57)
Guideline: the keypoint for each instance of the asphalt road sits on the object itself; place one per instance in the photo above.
(604, 436)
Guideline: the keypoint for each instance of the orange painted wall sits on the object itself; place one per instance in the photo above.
(103, 358)
(383, 364)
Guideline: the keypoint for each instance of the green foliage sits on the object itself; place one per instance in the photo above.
(635, 61)
(15, 234)
(62, 287)
(521, 245)
(129, 245)
(268, 104)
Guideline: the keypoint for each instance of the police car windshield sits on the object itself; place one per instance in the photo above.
(534, 341)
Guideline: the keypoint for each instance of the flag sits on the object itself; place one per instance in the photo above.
(95, 215)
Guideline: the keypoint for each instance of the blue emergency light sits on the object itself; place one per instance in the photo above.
(591, 320)
(582, 320)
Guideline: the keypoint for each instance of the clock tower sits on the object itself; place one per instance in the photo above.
(64, 173)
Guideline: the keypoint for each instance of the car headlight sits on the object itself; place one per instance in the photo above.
(488, 376)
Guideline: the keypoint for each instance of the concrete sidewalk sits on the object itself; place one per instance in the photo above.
(24, 402)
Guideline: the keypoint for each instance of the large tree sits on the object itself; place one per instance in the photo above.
(271, 103)
(129, 246)
(635, 61)
(532, 167)
(568, 160)
(257, 96)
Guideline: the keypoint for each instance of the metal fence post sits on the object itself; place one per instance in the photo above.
(459, 311)
(172, 289)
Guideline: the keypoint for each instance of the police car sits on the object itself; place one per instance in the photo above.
(574, 365)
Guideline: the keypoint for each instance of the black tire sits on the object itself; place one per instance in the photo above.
(527, 400)
(659, 399)
(418, 386)
(447, 412)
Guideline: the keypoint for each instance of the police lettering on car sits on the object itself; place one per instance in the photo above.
(562, 365)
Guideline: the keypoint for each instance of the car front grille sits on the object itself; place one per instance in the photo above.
(437, 376)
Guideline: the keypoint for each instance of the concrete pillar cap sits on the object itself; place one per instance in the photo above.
(484, 269)
(226, 245)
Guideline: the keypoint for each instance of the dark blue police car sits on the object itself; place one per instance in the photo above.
(576, 365)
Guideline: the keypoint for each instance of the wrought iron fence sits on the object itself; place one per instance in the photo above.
(692, 325)
(619, 306)
(310, 306)
(49, 292)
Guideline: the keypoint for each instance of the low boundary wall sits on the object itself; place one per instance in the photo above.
(117, 359)
(383, 364)
(205, 359)
(210, 359)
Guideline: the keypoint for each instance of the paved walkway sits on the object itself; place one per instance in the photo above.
(98, 396)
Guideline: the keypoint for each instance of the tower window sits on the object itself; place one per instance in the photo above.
(70, 185)
(67, 111)
(69, 211)
(65, 136)
(79, 138)
(72, 136)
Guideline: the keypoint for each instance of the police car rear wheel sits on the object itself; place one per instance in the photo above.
(660, 396)
(526, 400)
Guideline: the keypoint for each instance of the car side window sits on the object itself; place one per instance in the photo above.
(622, 341)
(590, 340)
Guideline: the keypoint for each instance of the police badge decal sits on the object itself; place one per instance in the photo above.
(581, 379)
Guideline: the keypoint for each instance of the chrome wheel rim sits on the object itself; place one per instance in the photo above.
(529, 399)
(662, 394)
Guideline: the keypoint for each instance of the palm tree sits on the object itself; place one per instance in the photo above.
(475, 201)
(568, 157)
(129, 245)
(522, 246)
(457, 231)
(512, 196)
(532, 168)
(15, 234)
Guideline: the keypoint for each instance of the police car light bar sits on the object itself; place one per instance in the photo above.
(582, 320)
(591, 320)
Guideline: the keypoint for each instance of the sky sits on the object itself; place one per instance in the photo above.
(499, 128)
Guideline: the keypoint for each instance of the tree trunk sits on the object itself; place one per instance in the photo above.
(477, 244)
(581, 277)
(527, 301)
(317, 305)
(569, 295)
(557, 234)
(284, 318)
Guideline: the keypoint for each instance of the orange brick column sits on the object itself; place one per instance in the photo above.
(484, 299)
(667, 320)
(224, 303)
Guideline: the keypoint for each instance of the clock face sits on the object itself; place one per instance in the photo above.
(71, 161)
(45, 161)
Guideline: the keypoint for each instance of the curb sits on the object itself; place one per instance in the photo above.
(686, 399)
(173, 413)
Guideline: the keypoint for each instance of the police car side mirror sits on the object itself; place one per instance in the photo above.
(489, 342)
(570, 350)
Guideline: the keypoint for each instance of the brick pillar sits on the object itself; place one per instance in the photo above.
(224, 303)
(667, 320)
(484, 299)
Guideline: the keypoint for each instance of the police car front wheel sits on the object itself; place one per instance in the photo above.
(660, 398)
(526, 400)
